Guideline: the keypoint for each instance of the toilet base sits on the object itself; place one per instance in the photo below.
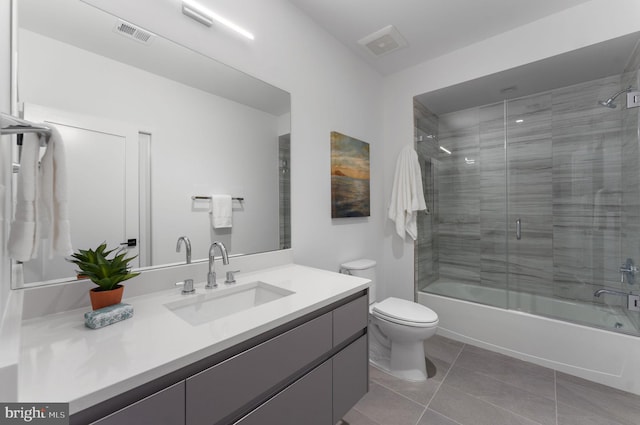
(405, 361)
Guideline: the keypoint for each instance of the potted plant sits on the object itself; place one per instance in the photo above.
(105, 272)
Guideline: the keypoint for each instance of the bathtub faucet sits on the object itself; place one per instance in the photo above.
(610, 291)
(633, 301)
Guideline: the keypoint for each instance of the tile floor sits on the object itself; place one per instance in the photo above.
(472, 386)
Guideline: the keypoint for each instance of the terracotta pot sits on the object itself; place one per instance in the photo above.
(100, 299)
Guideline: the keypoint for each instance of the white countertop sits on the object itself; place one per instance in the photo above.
(61, 360)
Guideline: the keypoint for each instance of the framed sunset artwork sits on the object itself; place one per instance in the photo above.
(350, 172)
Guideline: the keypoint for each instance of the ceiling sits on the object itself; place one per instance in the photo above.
(432, 28)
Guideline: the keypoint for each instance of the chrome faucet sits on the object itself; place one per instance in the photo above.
(633, 301)
(211, 276)
(187, 285)
(611, 292)
(187, 243)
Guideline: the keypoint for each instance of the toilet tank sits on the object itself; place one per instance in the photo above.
(362, 268)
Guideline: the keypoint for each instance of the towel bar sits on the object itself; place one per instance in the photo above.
(206, 198)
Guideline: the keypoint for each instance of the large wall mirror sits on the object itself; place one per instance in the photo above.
(148, 125)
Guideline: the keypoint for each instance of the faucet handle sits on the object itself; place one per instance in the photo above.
(187, 286)
(211, 280)
(230, 277)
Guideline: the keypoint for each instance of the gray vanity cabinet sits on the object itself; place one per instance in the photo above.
(310, 371)
(350, 377)
(165, 407)
(224, 389)
(307, 401)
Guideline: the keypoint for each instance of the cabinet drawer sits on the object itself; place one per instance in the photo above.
(307, 401)
(221, 390)
(165, 407)
(350, 376)
(349, 319)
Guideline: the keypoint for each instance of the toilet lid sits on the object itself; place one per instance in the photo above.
(403, 311)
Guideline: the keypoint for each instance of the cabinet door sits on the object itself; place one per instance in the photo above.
(165, 407)
(228, 387)
(350, 319)
(307, 401)
(350, 377)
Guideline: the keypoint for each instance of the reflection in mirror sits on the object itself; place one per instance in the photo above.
(148, 125)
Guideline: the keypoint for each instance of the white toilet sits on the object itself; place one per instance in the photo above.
(397, 328)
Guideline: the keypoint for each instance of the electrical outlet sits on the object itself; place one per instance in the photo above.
(634, 302)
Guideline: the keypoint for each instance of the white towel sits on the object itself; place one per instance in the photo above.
(22, 244)
(407, 196)
(221, 211)
(54, 217)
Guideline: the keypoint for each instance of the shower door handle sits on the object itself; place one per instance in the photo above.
(518, 229)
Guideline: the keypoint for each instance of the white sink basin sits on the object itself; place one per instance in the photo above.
(203, 308)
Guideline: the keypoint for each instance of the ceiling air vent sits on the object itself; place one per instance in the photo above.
(133, 32)
(384, 41)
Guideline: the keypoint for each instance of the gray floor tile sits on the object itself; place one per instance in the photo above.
(432, 418)
(389, 408)
(527, 376)
(420, 392)
(598, 400)
(467, 410)
(506, 396)
(568, 415)
(443, 349)
(473, 386)
(354, 417)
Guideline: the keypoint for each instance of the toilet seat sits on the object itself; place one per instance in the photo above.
(405, 313)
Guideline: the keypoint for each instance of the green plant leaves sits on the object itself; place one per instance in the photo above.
(105, 272)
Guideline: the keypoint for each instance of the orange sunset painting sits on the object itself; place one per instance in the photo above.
(349, 177)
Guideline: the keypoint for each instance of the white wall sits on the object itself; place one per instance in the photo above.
(201, 144)
(571, 29)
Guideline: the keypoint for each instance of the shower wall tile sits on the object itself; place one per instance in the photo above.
(587, 153)
(493, 209)
(427, 253)
(630, 223)
(529, 171)
(459, 197)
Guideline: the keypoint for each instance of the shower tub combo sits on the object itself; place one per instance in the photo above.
(533, 222)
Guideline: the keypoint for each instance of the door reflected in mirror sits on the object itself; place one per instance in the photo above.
(147, 126)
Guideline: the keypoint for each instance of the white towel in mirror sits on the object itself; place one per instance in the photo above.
(53, 214)
(23, 240)
(221, 211)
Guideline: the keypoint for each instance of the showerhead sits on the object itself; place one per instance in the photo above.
(609, 102)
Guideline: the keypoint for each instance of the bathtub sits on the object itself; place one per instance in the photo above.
(599, 355)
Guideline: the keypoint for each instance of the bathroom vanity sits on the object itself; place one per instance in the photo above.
(299, 358)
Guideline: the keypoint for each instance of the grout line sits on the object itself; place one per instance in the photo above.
(421, 415)
(393, 390)
(446, 417)
(444, 378)
(481, 399)
(366, 416)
